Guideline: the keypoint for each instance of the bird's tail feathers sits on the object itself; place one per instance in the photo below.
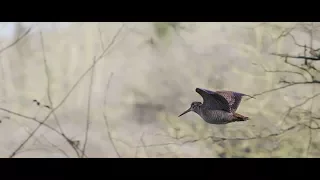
(239, 117)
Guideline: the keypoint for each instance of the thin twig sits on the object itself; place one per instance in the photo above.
(88, 109)
(280, 71)
(105, 116)
(144, 145)
(35, 120)
(100, 37)
(47, 71)
(220, 139)
(137, 147)
(298, 105)
(285, 86)
(57, 147)
(105, 100)
(311, 108)
(299, 67)
(30, 118)
(16, 41)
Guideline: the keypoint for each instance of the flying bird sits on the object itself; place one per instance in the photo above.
(218, 107)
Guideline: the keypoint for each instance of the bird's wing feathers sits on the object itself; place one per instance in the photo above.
(213, 101)
(233, 98)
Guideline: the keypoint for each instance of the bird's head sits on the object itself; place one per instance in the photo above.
(195, 106)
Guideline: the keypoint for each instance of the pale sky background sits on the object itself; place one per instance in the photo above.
(7, 28)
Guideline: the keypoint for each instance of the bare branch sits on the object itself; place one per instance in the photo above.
(144, 145)
(303, 82)
(306, 68)
(16, 41)
(52, 112)
(299, 67)
(296, 57)
(283, 87)
(100, 36)
(57, 147)
(310, 121)
(68, 94)
(220, 139)
(37, 121)
(298, 105)
(286, 33)
(88, 109)
(30, 118)
(47, 71)
(281, 71)
(105, 116)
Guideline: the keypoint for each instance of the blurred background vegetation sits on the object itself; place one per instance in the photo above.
(116, 89)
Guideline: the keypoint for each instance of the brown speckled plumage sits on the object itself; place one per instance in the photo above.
(233, 98)
(218, 107)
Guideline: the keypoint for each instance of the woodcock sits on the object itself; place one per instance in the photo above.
(218, 107)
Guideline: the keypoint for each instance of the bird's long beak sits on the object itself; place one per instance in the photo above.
(188, 110)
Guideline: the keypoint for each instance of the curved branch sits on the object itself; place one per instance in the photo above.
(296, 57)
(16, 41)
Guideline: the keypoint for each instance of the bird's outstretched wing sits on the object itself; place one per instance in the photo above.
(213, 101)
(233, 98)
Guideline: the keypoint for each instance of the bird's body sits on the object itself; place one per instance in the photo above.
(216, 116)
(218, 107)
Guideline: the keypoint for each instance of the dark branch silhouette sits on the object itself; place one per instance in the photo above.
(309, 68)
(296, 57)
